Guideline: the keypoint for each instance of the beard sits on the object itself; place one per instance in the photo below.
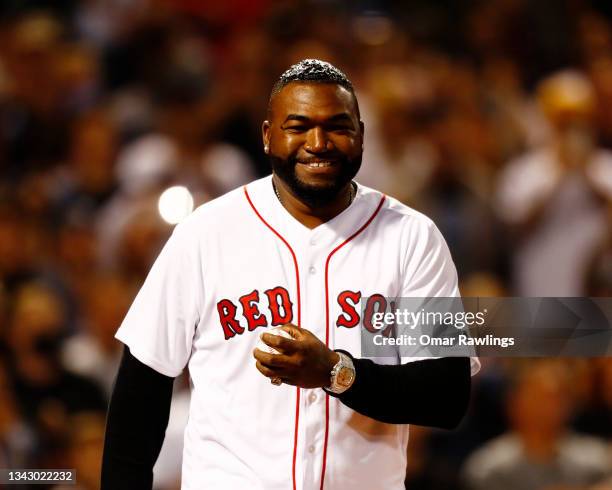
(315, 195)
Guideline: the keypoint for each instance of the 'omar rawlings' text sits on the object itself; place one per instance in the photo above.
(460, 340)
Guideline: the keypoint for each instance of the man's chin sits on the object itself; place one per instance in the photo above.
(314, 190)
(323, 186)
(316, 194)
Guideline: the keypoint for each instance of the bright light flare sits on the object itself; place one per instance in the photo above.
(174, 204)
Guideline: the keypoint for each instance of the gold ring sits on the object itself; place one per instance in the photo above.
(276, 381)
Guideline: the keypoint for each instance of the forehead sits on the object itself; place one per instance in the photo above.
(313, 100)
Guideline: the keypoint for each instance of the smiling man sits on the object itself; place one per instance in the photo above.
(314, 139)
(294, 251)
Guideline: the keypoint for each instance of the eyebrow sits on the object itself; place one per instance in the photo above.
(343, 116)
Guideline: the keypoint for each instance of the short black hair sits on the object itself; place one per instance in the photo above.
(313, 71)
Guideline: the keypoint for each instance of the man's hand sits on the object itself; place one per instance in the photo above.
(302, 361)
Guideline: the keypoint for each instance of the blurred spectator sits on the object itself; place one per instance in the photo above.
(86, 182)
(32, 114)
(539, 452)
(184, 150)
(247, 81)
(76, 256)
(427, 144)
(556, 196)
(131, 234)
(400, 155)
(45, 392)
(93, 352)
(513, 116)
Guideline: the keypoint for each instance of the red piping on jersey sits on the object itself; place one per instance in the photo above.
(365, 225)
(299, 322)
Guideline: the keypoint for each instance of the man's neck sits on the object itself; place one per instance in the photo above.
(310, 216)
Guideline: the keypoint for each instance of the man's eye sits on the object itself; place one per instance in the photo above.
(339, 129)
(296, 129)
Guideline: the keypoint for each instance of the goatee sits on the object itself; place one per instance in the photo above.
(315, 195)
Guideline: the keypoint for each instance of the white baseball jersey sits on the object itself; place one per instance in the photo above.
(241, 263)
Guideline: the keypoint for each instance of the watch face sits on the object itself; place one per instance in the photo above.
(345, 377)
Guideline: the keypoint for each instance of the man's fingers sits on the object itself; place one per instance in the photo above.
(288, 346)
(265, 370)
(295, 332)
(271, 360)
(270, 373)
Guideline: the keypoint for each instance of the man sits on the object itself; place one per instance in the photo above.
(299, 249)
(556, 197)
(540, 450)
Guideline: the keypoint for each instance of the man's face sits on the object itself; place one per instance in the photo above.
(314, 139)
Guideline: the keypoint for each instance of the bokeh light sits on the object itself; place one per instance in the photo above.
(174, 204)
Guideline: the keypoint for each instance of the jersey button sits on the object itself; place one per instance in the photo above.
(313, 241)
(312, 270)
(311, 449)
(312, 398)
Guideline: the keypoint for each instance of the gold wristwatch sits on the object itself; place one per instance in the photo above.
(342, 375)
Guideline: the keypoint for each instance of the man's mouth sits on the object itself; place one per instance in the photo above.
(318, 164)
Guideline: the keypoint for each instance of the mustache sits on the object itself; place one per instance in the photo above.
(335, 158)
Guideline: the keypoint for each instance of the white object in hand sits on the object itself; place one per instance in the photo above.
(261, 345)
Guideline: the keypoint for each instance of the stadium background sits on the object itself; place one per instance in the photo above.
(492, 117)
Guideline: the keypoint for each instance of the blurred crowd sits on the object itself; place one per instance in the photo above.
(492, 117)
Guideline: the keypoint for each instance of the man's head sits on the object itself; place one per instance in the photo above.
(539, 401)
(313, 134)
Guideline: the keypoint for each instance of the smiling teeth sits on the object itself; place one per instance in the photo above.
(319, 164)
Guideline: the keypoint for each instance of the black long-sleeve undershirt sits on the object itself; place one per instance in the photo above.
(431, 392)
(136, 425)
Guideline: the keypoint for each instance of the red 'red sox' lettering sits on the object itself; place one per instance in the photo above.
(251, 312)
(279, 305)
(278, 298)
(348, 301)
(227, 315)
(280, 309)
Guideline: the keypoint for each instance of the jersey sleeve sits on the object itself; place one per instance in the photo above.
(161, 322)
(429, 271)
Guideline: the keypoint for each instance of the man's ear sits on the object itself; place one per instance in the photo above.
(265, 133)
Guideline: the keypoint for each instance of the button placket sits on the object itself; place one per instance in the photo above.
(312, 419)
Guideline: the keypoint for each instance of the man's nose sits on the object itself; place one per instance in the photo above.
(317, 141)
